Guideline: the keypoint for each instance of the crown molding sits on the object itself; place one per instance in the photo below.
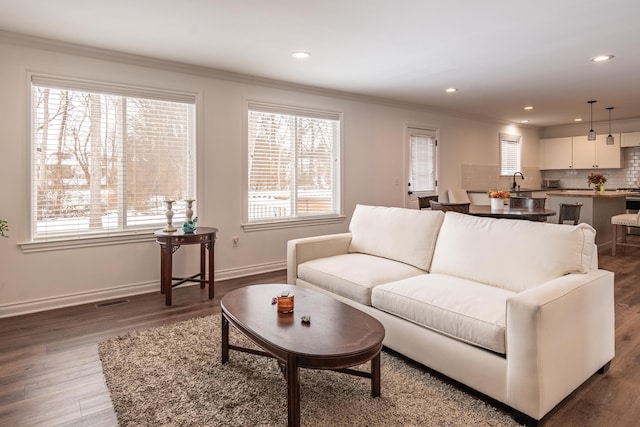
(63, 47)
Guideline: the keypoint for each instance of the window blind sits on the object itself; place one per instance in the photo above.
(292, 164)
(509, 154)
(422, 164)
(104, 162)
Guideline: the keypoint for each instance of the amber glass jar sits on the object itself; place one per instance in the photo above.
(285, 304)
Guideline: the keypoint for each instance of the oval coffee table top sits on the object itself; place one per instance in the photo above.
(337, 330)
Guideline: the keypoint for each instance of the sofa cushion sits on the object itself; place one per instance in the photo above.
(463, 309)
(354, 275)
(405, 235)
(514, 255)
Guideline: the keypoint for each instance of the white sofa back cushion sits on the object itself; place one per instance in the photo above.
(511, 254)
(405, 235)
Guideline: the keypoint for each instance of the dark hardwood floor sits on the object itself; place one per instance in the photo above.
(50, 373)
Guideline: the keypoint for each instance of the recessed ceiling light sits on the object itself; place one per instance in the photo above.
(524, 121)
(529, 107)
(602, 58)
(578, 119)
(301, 55)
(451, 90)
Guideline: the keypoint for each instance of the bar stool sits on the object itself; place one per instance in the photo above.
(569, 212)
(620, 223)
(529, 203)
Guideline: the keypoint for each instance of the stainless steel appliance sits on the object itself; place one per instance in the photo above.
(633, 206)
(551, 183)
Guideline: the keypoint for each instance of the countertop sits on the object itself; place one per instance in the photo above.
(611, 194)
(510, 190)
(591, 193)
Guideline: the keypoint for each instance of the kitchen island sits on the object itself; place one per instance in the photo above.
(597, 209)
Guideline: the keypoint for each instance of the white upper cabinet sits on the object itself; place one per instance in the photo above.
(596, 154)
(630, 139)
(579, 153)
(556, 153)
(584, 152)
(609, 156)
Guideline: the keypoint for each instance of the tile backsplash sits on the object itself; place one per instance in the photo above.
(487, 177)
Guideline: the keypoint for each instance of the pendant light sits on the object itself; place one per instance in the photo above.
(610, 139)
(592, 133)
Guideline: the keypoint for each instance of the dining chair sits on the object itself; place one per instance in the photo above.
(529, 203)
(423, 201)
(453, 207)
(620, 224)
(458, 195)
(569, 212)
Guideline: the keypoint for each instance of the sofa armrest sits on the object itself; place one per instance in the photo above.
(558, 335)
(308, 248)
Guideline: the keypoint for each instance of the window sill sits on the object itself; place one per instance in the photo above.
(86, 242)
(290, 223)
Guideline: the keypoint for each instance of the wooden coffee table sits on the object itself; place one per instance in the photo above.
(338, 337)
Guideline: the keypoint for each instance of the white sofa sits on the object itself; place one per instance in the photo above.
(517, 310)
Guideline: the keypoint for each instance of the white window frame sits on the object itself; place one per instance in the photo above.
(293, 221)
(510, 148)
(124, 234)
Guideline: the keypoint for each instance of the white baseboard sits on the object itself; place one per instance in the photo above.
(61, 301)
(234, 273)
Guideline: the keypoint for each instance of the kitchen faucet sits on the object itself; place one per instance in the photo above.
(514, 185)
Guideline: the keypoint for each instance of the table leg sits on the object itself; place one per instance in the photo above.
(168, 272)
(203, 261)
(375, 376)
(293, 391)
(210, 247)
(163, 285)
(225, 339)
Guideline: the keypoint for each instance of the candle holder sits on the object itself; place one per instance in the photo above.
(169, 215)
(189, 211)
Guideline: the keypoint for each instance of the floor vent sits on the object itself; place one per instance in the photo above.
(113, 302)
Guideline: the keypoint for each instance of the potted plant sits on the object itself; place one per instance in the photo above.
(497, 198)
(598, 180)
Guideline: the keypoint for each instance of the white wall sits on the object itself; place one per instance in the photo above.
(373, 157)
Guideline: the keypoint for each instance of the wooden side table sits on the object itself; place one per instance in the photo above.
(171, 242)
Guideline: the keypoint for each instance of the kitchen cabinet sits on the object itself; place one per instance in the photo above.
(630, 139)
(596, 154)
(579, 153)
(556, 153)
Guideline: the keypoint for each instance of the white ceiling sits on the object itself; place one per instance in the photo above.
(501, 54)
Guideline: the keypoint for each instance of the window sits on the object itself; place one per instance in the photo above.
(105, 158)
(509, 154)
(293, 164)
(422, 161)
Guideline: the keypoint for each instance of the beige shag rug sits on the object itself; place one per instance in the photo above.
(172, 376)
